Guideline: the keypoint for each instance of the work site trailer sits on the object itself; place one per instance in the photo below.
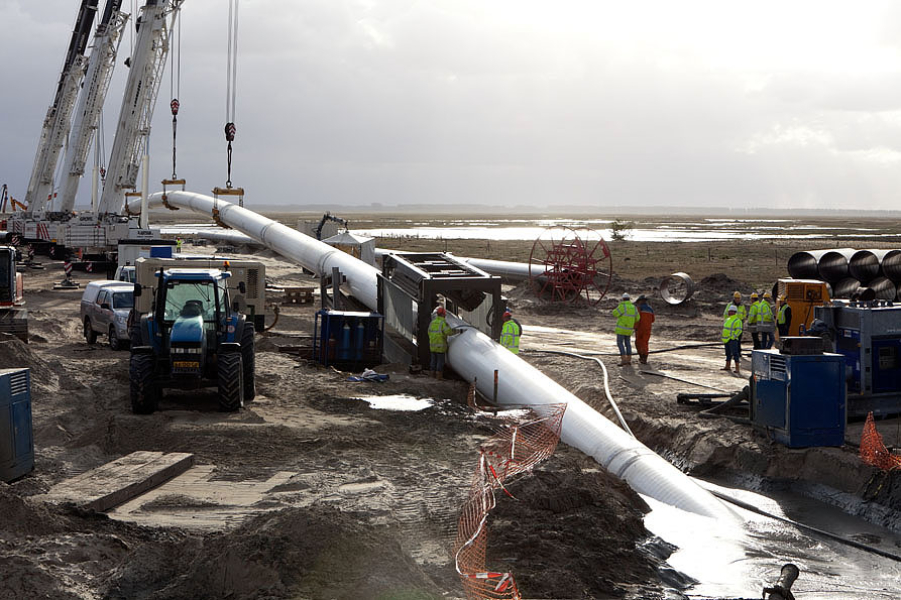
(252, 273)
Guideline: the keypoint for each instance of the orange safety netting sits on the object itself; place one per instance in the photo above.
(517, 446)
(873, 450)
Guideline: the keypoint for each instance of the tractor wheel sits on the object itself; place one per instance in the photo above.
(145, 394)
(134, 333)
(248, 358)
(114, 342)
(231, 382)
(89, 334)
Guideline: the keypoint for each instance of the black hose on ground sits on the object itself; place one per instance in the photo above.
(661, 350)
(811, 529)
(743, 396)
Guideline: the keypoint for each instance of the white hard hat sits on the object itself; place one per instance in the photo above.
(626, 296)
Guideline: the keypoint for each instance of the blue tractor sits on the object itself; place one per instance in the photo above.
(192, 338)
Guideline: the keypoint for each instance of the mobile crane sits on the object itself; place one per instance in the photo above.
(90, 104)
(94, 236)
(59, 115)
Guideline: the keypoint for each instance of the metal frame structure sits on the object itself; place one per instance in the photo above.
(411, 283)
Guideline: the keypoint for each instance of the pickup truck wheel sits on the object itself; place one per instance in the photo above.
(145, 394)
(248, 358)
(231, 381)
(114, 342)
(89, 334)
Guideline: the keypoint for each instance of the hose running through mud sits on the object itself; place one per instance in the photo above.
(810, 528)
(612, 402)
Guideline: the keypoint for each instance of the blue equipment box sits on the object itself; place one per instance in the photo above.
(353, 340)
(799, 400)
(16, 434)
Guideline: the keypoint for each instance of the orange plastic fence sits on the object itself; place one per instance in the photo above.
(873, 450)
(518, 445)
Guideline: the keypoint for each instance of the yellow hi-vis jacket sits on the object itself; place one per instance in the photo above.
(780, 319)
(753, 313)
(742, 311)
(626, 317)
(438, 332)
(510, 335)
(732, 328)
(765, 312)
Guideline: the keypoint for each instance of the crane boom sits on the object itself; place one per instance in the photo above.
(90, 102)
(56, 123)
(133, 125)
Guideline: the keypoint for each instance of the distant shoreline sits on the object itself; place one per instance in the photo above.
(514, 211)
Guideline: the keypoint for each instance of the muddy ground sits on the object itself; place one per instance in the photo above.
(308, 492)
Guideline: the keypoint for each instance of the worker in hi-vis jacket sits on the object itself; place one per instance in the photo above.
(626, 317)
(732, 339)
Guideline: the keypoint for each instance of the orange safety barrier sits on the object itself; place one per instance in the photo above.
(519, 444)
(873, 450)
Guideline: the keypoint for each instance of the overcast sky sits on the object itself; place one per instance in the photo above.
(721, 104)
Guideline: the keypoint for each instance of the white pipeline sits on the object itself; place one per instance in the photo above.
(475, 356)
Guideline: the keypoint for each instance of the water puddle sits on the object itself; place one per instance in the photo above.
(403, 402)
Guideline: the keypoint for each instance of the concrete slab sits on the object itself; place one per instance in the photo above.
(118, 481)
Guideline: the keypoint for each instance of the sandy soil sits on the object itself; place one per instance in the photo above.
(308, 492)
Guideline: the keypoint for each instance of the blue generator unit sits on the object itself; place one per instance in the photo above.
(349, 340)
(16, 434)
(868, 336)
(799, 400)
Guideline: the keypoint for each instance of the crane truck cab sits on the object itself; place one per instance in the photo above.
(191, 338)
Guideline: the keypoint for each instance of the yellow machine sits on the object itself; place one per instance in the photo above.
(802, 295)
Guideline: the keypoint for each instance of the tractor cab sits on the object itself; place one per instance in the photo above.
(192, 338)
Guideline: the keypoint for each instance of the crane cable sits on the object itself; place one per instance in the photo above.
(231, 83)
(175, 84)
(174, 104)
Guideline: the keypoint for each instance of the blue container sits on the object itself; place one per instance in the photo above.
(16, 435)
(799, 400)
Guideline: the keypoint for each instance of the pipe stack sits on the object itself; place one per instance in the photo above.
(869, 274)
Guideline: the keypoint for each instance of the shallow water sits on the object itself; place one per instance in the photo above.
(730, 561)
(647, 230)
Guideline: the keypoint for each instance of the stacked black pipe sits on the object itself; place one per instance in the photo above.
(865, 274)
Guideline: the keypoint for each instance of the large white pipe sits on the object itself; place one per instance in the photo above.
(475, 356)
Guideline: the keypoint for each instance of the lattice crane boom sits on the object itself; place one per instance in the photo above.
(59, 116)
(90, 103)
(133, 125)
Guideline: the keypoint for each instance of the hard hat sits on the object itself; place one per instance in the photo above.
(781, 298)
(508, 314)
(440, 311)
(642, 297)
(767, 296)
(626, 295)
(733, 308)
(754, 296)
(736, 295)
